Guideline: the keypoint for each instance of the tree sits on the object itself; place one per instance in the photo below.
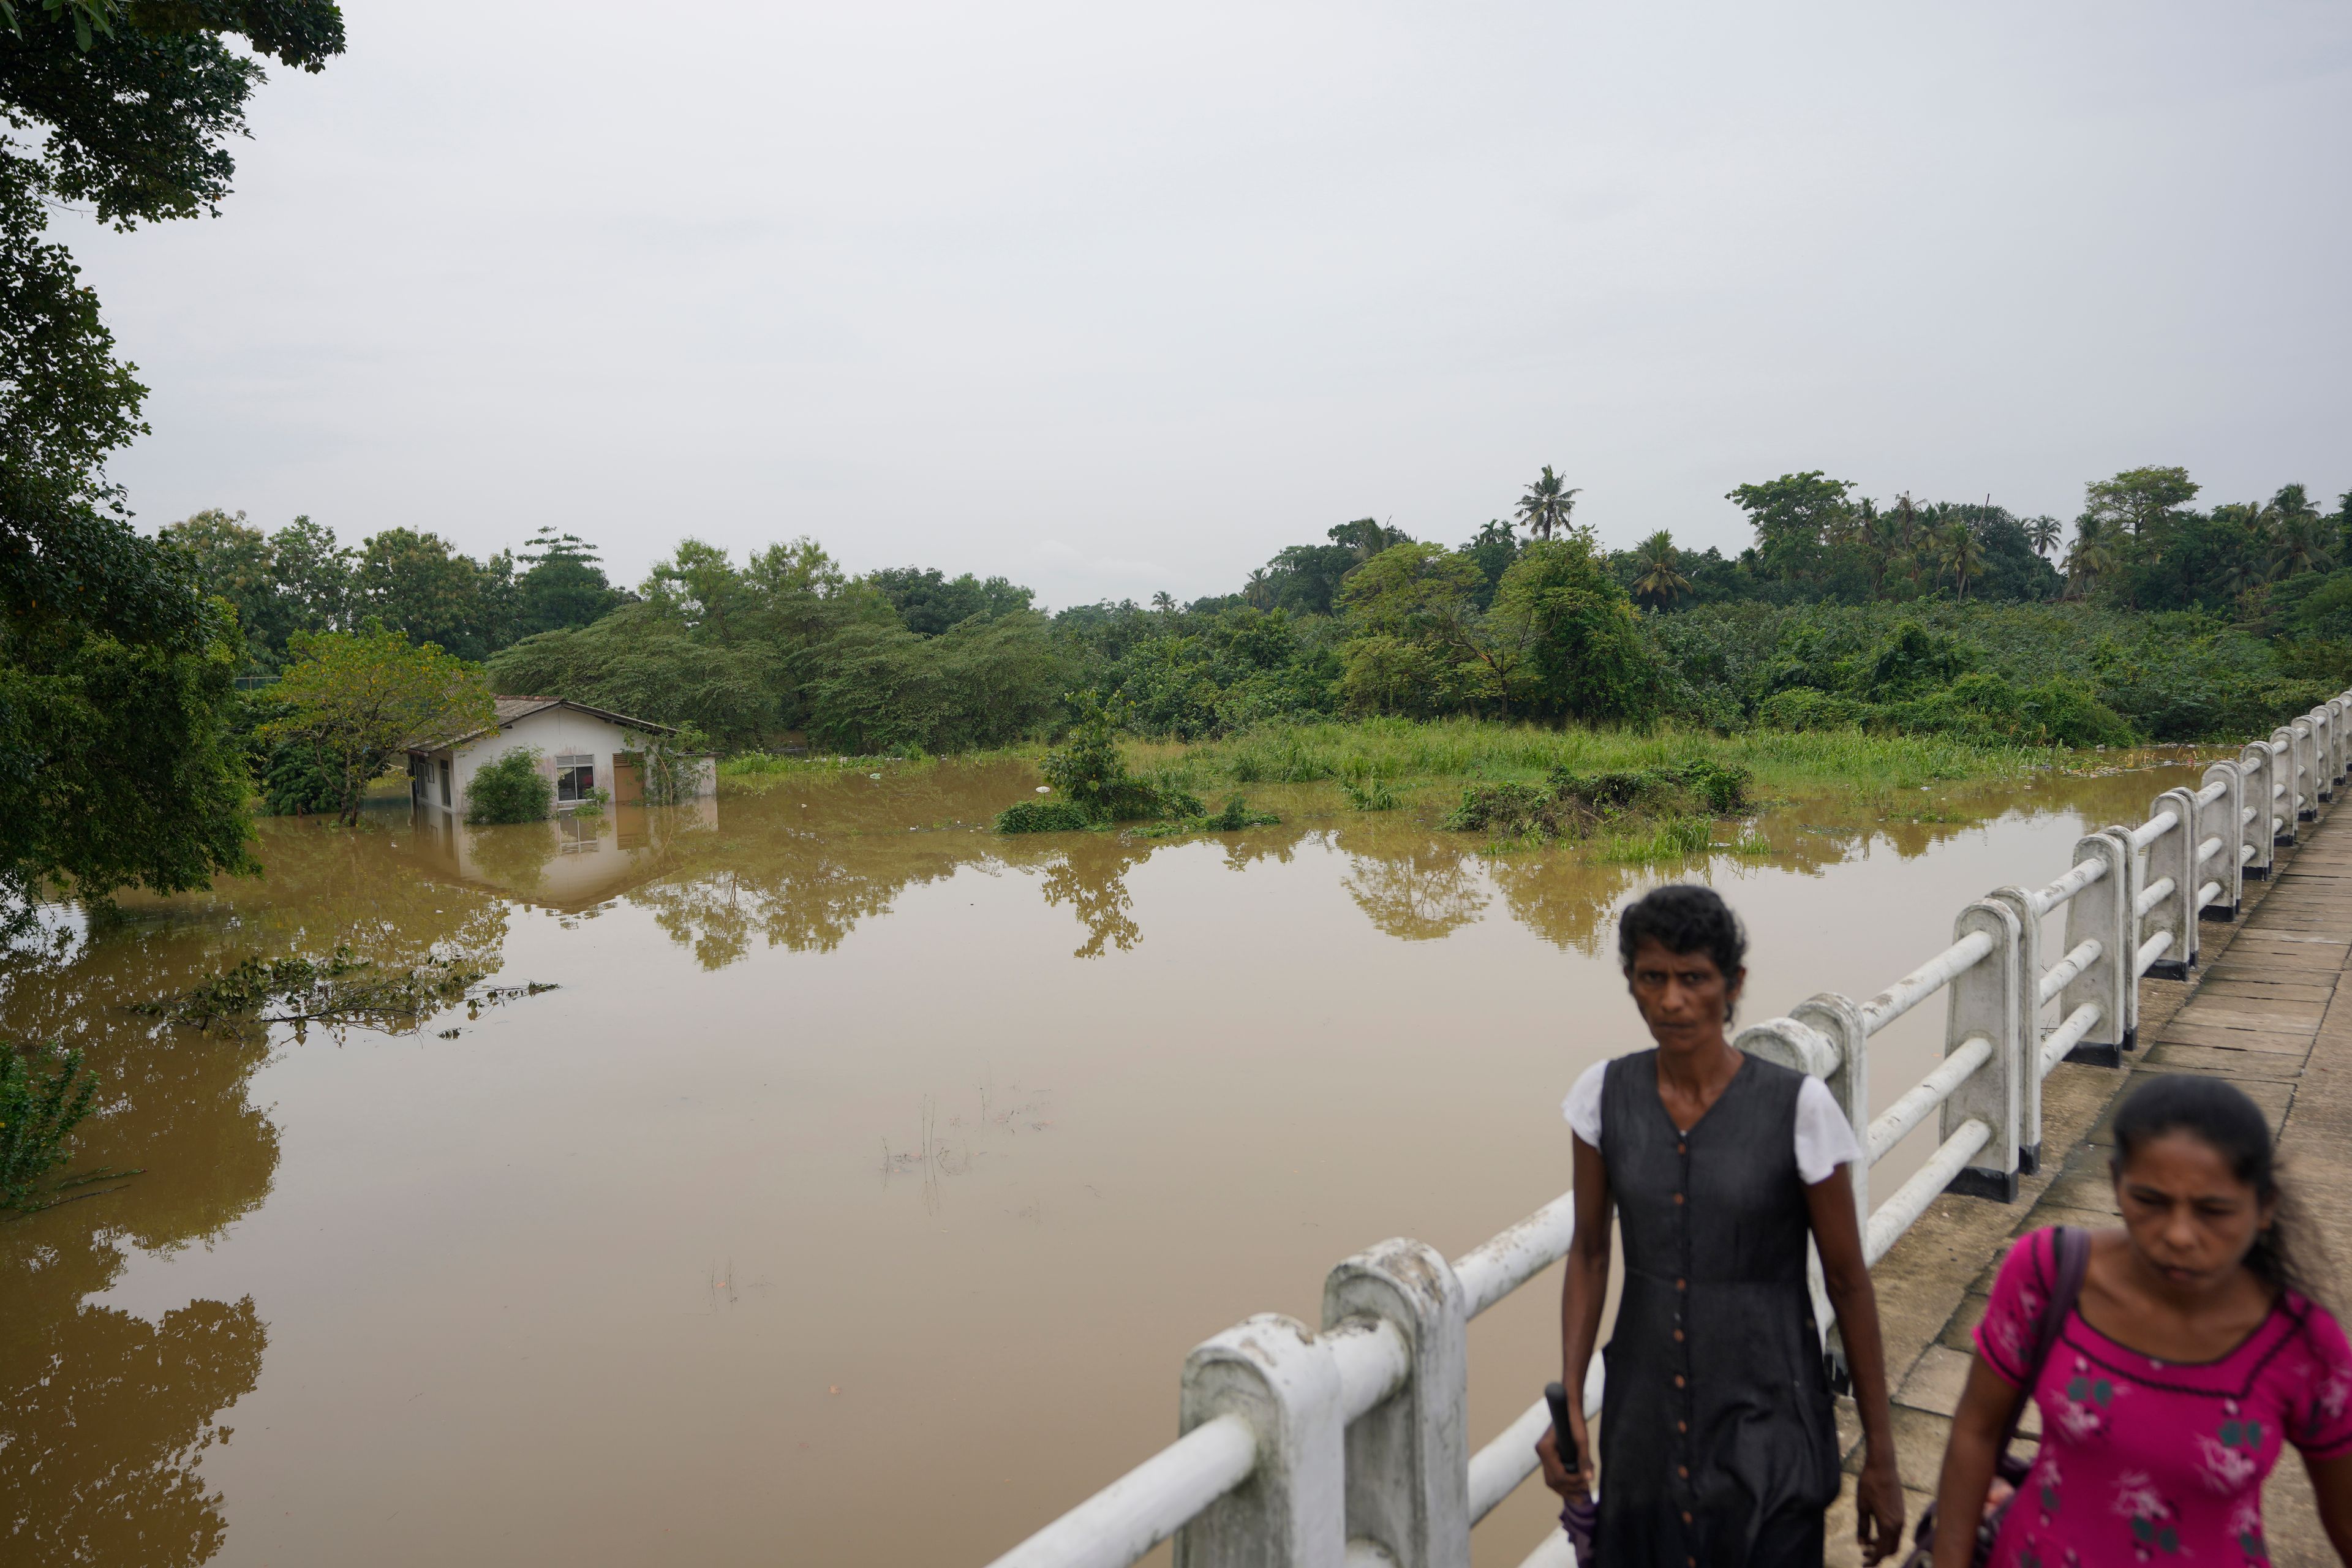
(1492, 549)
(1658, 564)
(2044, 533)
(1547, 506)
(1961, 553)
(2139, 501)
(565, 585)
(1793, 516)
(362, 699)
(1574, 629)
(116, 764)
(929, 602)
(1421, 645)
(2096, 556)
(416, 585)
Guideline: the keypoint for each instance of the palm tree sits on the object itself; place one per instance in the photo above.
(1164, 602)
(1547, 506)
(1259, 589)
(2044, 533)
(1961, 553)
(1882, 542)
(2096, 554)
(2301, 544)
(1659, 564)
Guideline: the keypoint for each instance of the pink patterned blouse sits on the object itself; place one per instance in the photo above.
(2152, 1461)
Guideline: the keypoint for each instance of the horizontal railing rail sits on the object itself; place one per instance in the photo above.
(1346, 1445)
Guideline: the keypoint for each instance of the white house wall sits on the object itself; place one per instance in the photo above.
(554, 731)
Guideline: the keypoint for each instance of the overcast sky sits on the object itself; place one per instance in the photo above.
(1116, 299)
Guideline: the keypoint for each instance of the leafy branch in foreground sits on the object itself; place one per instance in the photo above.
(36, 1119)
(346, 989)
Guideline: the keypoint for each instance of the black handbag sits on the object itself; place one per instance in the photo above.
(2074, 1251)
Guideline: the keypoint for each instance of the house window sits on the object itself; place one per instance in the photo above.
(444, 781)
(576, 776)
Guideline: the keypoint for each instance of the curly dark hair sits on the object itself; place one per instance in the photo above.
(2288, 1255)
(1682, 918)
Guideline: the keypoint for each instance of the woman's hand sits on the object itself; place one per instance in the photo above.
(1878, 1506)
(1567, 1483)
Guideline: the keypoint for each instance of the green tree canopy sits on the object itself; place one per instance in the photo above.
(565, 585)
(1794, 516)
(2139, 501)
(362, 699)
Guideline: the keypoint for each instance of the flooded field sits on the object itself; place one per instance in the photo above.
(857, 1193)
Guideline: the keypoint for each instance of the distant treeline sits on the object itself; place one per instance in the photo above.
(2165, 623)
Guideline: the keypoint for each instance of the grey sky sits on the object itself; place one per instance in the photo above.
(1113, 300)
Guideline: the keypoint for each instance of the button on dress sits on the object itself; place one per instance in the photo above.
(1718, 1441)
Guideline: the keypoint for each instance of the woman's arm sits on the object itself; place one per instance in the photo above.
(1974, 1450)
(1878, 1491)
(2331, 1483)
(1581, 1296)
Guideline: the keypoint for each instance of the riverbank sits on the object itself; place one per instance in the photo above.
(2265, 1010)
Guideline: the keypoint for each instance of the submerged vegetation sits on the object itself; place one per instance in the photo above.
(45, 1094)
(344, 988)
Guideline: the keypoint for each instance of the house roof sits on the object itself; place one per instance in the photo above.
(512, 709)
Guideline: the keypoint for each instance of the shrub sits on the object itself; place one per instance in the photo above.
(299, 779)
(1044, 816)
(510, 789)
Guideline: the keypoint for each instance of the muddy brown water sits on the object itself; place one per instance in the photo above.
(857, 1193)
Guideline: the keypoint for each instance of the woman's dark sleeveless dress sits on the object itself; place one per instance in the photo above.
(1717, 1444)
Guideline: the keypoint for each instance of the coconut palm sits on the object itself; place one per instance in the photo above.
(2044, 533)
(1547, 506)
(2096, 554)
(1259, 590)
(1960, 552)
(1164, 602)
(2300, 544)
(1660, 581)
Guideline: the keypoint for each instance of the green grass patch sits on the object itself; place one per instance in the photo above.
(1779, 763)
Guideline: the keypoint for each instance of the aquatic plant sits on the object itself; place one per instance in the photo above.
(38, 1112)
(1373, 796)
(1570, 804)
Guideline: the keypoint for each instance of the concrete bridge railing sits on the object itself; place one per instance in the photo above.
(1348, 1445)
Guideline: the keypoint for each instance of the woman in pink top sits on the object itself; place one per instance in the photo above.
(2193, 1354)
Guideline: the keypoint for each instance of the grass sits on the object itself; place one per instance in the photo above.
(1396, 751)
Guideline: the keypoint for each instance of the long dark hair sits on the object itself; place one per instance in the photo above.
(2286, 1254)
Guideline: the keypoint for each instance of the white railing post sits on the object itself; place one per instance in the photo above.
(2256, 762)
(1408, 1458)
(2019, 902)
(2128, 956)
(1290, 1512)
(1839, 1019)
(2282, 785)
(2221, 821)
(2171, 859)
(1984, 1004)
(2300, 742)
(2322, 751)
(2341, 705)
(2102, 913)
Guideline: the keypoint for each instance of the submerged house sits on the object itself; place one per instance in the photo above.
(580, 749)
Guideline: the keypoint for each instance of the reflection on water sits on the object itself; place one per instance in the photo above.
(999, 1103)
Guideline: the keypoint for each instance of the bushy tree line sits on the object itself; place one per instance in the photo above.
(299, 579)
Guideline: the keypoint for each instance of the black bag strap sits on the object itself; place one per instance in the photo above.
(2072, 1246)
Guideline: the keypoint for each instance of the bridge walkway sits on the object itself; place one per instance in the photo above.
(2267, 1008)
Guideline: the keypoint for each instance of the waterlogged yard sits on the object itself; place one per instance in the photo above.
(856, 1192)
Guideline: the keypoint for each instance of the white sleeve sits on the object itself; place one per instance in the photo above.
(1582, 1107)
(1824, 1140)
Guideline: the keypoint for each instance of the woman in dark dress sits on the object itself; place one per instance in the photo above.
(1719, 1444)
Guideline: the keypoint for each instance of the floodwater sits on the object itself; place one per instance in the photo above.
(854, 1197)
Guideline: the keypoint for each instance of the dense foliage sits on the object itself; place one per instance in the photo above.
(1906, 616)
(509, 788)
(38, 1112)
(359, 700)
(117, 765)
